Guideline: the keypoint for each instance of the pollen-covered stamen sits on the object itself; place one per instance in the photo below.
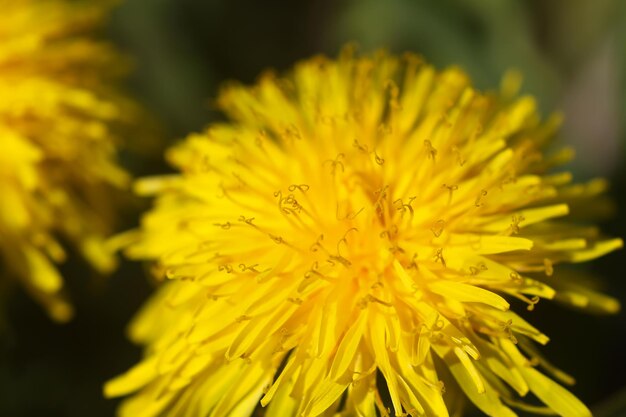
(317, 245)
(302, 187)
(380, 197)
(336, 163)
(247, 220)
(403, 207)
(507, 327)
(361, 147)
(515, 277)
(514, 227)
(350, 215)
(344, 242)
(430, 150)
(276, 239)
(549, 267)
(439, 257)
(224, 226)
(288, 204)
(451, 189)
(478, 202)
(380, 161)
(438, 227)
(459, 157)
(298, 217)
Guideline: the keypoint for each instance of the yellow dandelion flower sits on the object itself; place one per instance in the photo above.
(349, 243)
(57, 111)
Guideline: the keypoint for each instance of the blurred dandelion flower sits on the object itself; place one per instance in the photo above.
(347, 245)
(57, 120)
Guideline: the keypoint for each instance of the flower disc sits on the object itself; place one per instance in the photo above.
(350, 242)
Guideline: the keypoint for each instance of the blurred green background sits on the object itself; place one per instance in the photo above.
(573, 57)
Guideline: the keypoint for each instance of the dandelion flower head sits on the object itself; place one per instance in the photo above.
(57, 117)
(349, 243)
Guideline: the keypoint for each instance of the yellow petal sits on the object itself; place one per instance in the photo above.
(132, 380)
(555, 396)
(348, 347)
(468, 293)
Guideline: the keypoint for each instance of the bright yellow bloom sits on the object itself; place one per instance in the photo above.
(57, 140)
(350, 241)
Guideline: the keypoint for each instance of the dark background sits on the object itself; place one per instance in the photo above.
(572, 54)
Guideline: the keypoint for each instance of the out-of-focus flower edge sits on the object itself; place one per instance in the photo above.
(61, 115)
